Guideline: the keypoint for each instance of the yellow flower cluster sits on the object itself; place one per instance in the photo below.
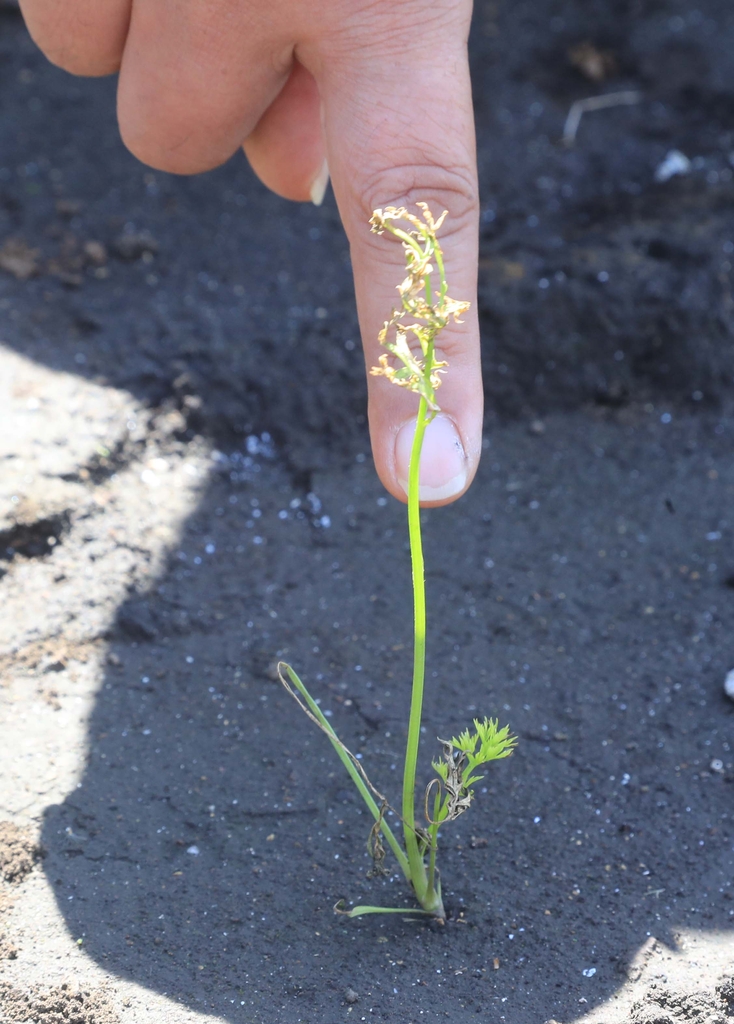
(412, 346)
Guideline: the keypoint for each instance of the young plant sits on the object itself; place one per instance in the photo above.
(410, 362)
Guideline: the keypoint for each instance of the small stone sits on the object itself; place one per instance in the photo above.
(19, 259)
(95, 252)
(137, 621)
(674, 163)
(68, 207)
(351, 997)
(537, 427)
(52, 665)
(132, 245)
(7, 950)
(729, 684)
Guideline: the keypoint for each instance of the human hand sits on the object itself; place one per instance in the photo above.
(374, 92)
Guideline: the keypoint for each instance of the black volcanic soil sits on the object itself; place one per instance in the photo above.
(583, 591)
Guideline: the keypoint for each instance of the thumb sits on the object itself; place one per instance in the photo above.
(397, 137)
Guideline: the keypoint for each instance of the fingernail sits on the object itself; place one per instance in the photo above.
(443, 459)
(318, 188)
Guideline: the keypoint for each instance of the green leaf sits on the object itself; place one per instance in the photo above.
(361, 910)
(465, 742)
(494, 743)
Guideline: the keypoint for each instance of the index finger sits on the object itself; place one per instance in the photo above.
(399, 130)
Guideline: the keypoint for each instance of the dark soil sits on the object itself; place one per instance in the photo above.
(18, 852)
(582, 591)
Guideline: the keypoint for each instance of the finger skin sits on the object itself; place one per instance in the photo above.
(196, 77)
(399, 131)
(84, 37)
(286, 148)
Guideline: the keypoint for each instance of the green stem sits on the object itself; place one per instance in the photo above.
(405, 237)
(417, 867)
(433, 833)
(438, 256)
(353, 772)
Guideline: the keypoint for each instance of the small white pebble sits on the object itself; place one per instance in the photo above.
(193, 850)
(589, 972)
(729, 684)
(674, 163)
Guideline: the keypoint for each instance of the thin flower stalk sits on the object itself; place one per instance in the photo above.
(409, 361)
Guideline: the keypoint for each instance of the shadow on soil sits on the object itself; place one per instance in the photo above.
(214, 830)
(574, 592)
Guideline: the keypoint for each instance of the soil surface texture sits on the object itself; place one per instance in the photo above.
(187, 495)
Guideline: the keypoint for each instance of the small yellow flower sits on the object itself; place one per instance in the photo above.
(412, 346)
